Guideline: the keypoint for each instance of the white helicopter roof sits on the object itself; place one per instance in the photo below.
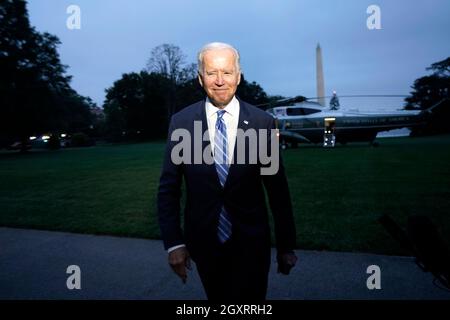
(299, 108)
(312, 109)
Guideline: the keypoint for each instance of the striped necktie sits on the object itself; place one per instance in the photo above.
(221, 162)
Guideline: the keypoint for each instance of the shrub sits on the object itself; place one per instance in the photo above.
(81, 139)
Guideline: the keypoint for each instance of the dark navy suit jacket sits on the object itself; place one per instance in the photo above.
(242, 195)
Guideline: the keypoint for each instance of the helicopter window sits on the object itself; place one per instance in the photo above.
(301, 111)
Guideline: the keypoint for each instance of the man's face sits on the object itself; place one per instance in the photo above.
(220, 76)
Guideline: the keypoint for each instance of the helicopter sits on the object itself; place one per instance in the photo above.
(301, 120)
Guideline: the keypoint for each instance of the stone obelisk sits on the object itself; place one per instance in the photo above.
(320, 80)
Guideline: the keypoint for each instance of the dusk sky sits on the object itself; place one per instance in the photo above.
(276, 39)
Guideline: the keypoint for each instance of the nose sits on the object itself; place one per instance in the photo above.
(219, 79)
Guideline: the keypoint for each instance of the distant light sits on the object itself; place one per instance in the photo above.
(45, 137)
(330, 119)
(32, 138)
(63, 135)
(45, 140)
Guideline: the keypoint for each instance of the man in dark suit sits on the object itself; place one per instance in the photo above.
(226, 226)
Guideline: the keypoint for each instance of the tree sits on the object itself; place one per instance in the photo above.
(136, 105)
(167, 60)
(35, 92)
(188, 93)
(428, 91)
(441, 68)
(251, 92)
(115, 123)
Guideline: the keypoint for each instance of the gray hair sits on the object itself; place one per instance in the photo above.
(217, 46)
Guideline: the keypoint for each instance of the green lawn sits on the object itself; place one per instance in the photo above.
(338, 194)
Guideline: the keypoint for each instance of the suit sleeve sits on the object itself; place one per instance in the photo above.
(169, 195)
(280, 203)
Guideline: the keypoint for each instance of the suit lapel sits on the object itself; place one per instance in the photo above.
(201, 115)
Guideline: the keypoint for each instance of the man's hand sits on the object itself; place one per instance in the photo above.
(286, 261)
(179, 260)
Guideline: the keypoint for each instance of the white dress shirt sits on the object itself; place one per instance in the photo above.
(231, 119)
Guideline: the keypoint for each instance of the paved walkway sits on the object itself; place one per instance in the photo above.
(33, 265)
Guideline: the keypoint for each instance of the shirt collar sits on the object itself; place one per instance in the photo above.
(231, 108)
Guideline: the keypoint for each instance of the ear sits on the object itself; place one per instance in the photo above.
(200, 80)
(239, 78)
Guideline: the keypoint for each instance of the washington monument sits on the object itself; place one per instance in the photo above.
(320, 80)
